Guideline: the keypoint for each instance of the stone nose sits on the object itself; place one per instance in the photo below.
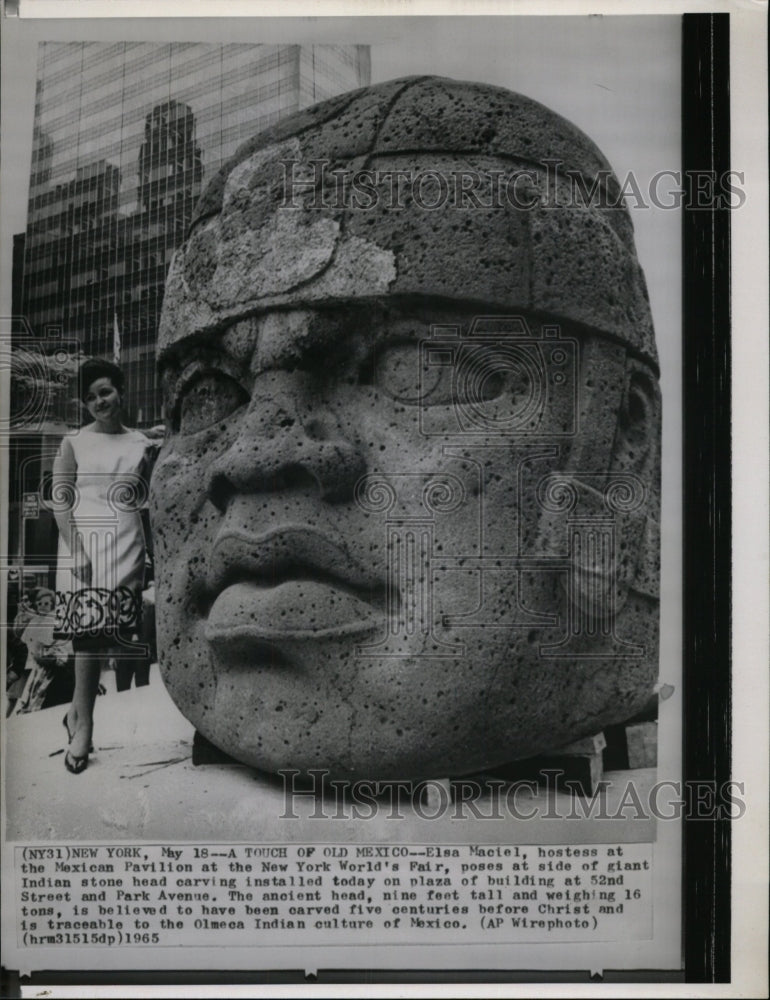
(286, 440)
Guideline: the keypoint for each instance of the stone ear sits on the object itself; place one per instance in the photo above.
(603, 510)
(636, 451)
(636, 447)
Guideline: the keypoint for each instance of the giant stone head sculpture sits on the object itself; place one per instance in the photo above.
(406, 515)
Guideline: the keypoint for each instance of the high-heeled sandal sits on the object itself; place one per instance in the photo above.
(75, 765)
(70, 734)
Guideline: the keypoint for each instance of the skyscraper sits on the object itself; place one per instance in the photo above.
(125, 137)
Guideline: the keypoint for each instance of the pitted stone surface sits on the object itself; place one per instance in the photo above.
(431, 114)
(579, 269)
(405, 518)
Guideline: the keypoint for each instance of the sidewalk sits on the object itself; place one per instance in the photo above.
(140, 784)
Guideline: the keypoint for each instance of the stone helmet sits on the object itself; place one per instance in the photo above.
(422, 186)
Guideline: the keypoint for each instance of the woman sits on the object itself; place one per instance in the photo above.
(100, 476)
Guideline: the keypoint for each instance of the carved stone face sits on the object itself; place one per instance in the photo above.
(397, 535)
(363, 540)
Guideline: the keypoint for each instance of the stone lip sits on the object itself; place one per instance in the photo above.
(293, 550)
(294, 609)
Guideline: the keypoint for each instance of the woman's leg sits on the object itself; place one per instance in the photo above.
(80, 718)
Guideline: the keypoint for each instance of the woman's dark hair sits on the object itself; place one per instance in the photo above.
(96, 368)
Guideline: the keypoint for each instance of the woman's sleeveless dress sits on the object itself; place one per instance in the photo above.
(110, 489)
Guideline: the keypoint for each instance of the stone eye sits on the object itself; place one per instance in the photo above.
(208, 398)
(402, 371)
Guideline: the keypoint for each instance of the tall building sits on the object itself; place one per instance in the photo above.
(125, 137)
